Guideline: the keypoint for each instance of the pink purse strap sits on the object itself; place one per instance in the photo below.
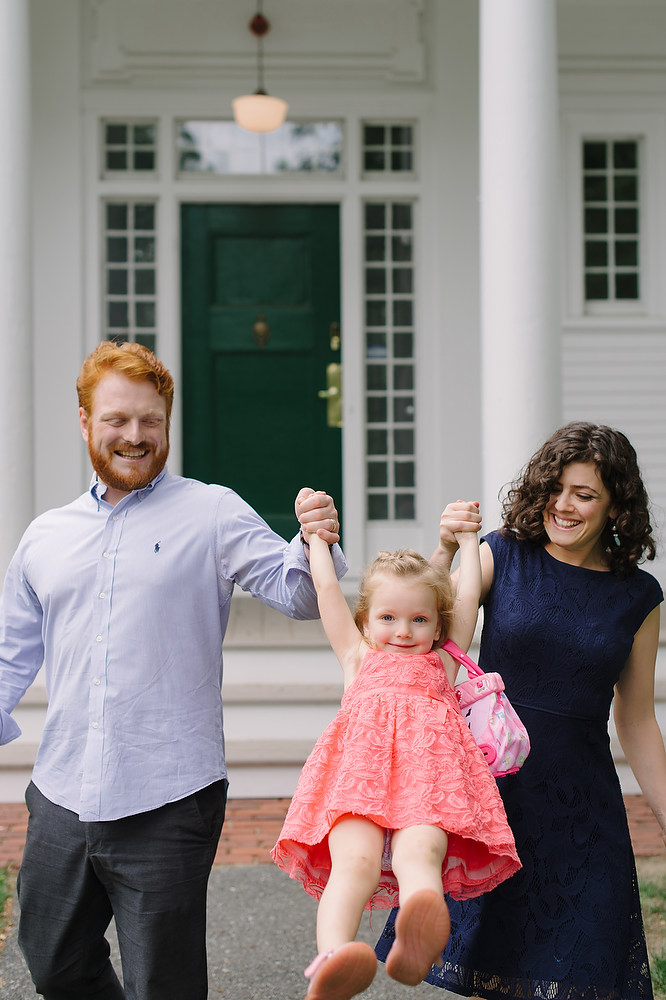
(473, 669)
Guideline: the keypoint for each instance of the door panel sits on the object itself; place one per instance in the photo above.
(260, 301)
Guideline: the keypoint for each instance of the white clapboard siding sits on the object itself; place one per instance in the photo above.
(618, 377)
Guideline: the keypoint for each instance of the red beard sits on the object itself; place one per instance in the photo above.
(130, 480)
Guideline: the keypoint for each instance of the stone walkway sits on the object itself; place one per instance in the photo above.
(252, 826)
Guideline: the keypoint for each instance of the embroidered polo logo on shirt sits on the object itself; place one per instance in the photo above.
(157, 547)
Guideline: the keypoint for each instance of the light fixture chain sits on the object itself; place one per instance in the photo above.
(260, 62)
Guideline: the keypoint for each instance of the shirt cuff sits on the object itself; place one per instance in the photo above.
(297, 550)
(9, 728)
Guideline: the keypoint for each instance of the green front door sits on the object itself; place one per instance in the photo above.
(260, 322)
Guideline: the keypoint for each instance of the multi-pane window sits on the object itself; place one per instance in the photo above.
(389, 365)
(388, 148)
(129, 146)
(611, 220)
(130, 275)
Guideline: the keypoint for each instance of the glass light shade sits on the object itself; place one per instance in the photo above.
(259, 112)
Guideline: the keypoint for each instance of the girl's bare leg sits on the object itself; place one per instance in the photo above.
(417, 856)
(345, 967)
(356, 846)
(422, 926)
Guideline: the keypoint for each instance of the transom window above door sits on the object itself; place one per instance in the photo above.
(222, 147)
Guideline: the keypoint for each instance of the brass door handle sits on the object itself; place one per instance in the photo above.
(333, 395)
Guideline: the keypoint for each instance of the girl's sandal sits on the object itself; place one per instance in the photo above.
(422, 929)
(341, 973)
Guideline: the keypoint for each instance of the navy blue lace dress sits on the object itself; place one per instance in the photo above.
(568, 925)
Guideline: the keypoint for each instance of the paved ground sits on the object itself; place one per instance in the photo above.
(261, 923)
(260, 938)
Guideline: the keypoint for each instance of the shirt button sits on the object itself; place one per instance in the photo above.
(102, 596)
(105, 554)
(97, 682)
(98, 638)
(95, 725)
(115, 517)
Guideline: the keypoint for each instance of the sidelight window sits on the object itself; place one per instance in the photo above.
(130, 272)
(389, 360)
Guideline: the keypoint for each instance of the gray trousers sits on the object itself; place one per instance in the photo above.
(149, 872)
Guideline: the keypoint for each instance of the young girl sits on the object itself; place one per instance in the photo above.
(395, 797)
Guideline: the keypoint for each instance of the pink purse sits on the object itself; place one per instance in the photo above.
(493, 722)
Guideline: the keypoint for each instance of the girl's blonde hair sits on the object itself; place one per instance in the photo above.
(411, 565)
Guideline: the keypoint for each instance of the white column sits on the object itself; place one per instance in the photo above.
(520, 322)
(16, 397)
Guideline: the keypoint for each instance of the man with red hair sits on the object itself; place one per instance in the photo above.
(124, 596)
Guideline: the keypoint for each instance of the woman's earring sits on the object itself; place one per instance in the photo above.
(616, 537)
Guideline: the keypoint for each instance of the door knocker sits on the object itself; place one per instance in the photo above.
(261, 331)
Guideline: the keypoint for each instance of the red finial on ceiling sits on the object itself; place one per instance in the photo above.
(259, 26)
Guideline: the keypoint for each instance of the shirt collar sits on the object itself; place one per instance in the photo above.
(98, 488)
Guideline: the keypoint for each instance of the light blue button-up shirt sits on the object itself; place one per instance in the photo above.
(127, 607)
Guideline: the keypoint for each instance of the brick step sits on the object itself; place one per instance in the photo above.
(252, 826)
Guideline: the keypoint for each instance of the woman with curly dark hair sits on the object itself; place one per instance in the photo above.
(572, 624)
(627, 536)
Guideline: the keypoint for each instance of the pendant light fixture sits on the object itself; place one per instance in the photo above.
(259, 112)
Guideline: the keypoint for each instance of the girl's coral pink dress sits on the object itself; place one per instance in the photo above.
(399, 753)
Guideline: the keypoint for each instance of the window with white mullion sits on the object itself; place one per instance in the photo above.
(129, 146)
(389, 351)
(388, 148)
(130, 271)
(611, 221)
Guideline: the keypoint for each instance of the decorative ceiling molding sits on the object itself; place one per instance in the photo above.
(191, 42)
